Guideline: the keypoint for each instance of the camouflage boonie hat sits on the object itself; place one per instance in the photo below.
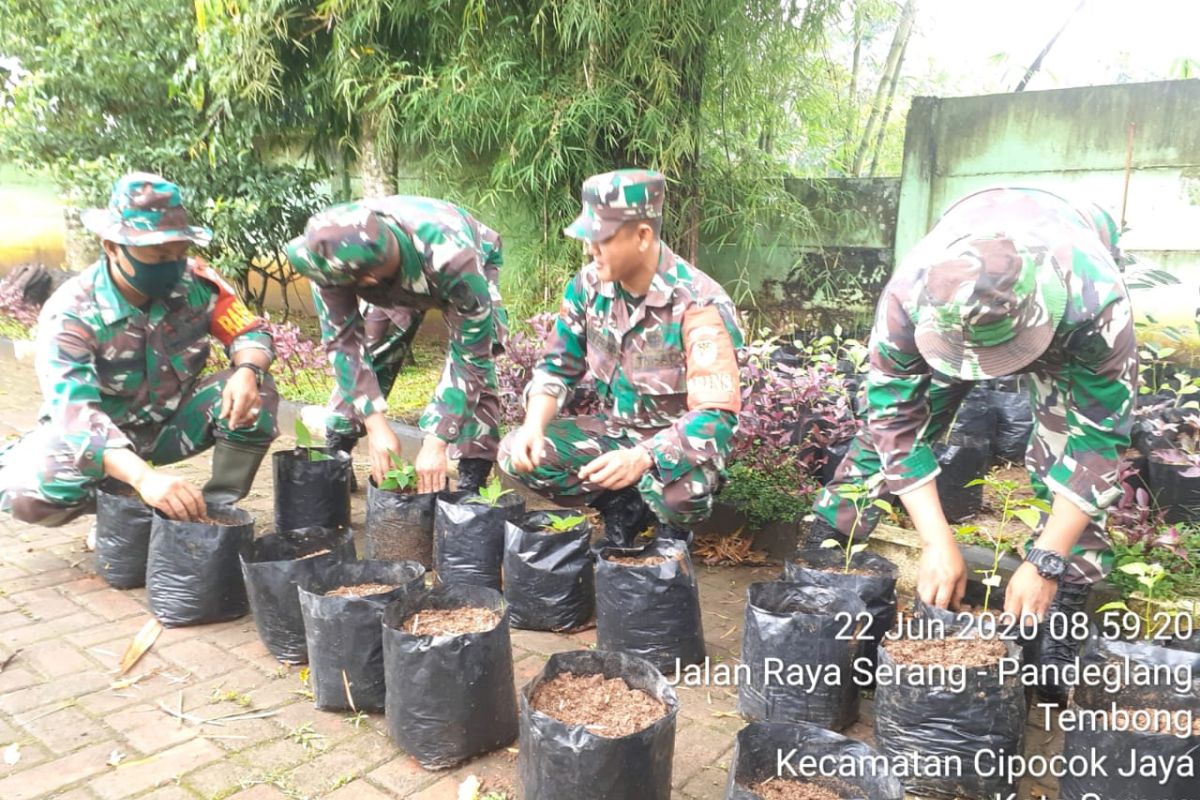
(989, 312)
(614, 198)
(144, 210)
(340, 243)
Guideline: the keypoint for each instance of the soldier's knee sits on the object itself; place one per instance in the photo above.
(683, 503)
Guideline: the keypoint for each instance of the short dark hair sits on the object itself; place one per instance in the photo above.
(655, 224)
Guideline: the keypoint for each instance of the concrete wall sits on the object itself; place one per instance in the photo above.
(1072, 140)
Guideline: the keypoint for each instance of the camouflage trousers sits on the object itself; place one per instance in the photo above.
(1091, 558)
(389, 335)
(42, 481)
(572, 442)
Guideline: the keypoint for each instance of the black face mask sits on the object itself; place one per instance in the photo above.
(154, 280)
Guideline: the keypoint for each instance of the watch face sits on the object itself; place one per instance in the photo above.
(1051, 564)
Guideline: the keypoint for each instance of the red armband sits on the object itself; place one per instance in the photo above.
(230, 318)
(713, 377)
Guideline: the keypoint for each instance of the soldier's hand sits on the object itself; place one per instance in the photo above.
(431, 465)
(1028, 595)
(942, 575)
(526, 449)
(171, 495)
(239, 399)
(382, 442)
(617, 469)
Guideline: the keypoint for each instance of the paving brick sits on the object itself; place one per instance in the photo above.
(77, 588)
(260, 792)
(56, 658)
(357, 790)
(202, 659)
(112, 604)
(45, 604)
(32, 753)
(402, 775)
(38, 578)
(14, 678)
(280, 754)
(136, 776)
(149, 729)
(169, 793)
(41, 631)
(66, 730)
(696, 746)
(58, 774)
(352, 759)
(544, 643)
(224, 778)
(103, 632)
(44, 695)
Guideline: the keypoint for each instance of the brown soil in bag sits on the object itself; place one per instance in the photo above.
(360, 590)
(606, 707)
(970, 653)
(786, 789)
(450, 621)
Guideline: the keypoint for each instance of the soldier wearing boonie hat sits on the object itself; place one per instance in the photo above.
(120, 352)
(660, 340)
(403, 256)
(1010, 281)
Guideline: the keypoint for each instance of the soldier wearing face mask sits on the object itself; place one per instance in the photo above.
(120, 352)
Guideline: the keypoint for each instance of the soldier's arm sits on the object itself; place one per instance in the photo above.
(470, 367)
(1101, 378)
(66, 370)
(564, 361)
(246, 337)
(704, 435)
(343, 337)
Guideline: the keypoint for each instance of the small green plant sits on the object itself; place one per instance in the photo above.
(306, 442)
(767, 496)
(229, 696)
(557, 524)
(357, 719)
(306, 737)
(401, 477)
(305, 689)
(490, 495)
(1028, 510)
(859, 496)
(1148, 577)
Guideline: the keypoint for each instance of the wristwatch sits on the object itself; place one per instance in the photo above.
(259, 372)
(1050, 565)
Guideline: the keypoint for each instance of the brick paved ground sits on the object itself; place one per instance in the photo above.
(80, 734)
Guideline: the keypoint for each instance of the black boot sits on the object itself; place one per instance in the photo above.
(1069, 600)
(473, 473)
(234, 466)
(819, 531)
(344, 443)
(625, 515)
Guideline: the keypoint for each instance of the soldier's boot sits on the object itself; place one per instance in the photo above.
(819, 531)
(473, 473)
(664, 531)
(625, 515)
(344, 443)
(234, 466)
(1069, 600)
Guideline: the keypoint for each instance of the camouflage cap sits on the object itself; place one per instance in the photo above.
(144, 210)
(614, 198)
(990, 311)
(340, 243)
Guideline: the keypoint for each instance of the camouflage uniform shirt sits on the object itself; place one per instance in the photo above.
(450, 261)
(1090, 367)
(634, 350)
(107, 367)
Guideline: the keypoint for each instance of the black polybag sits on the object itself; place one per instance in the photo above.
(123, 524)
(1176, 496)
(1118, 745)
(920, 721)
(449, 698)
(1014, 425)
(876, 586)
(557, 760)
(468, 537)
(549, 578)
(835, 453)
(757, 753)
(273, 566)
(311, 494)
(652, 612)
(960, 466)
(790, 626)
(193, 573)
(345, 639)
(399, 526)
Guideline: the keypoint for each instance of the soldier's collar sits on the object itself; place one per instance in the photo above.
(112, 304)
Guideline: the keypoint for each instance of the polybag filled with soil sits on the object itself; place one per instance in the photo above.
(399, 526)
(760, 746)
(961, 465)
(193, 569)
(1175, 493)
(450, 695)
(273, 566)
(342, 611)
(926, 714)
(1014, 425)
(872, 578)
(549, 576)
(616, 750)
(1156, 721)
(312, 488)
(123, 524)
(468, 537)
(790, 626)
(648, 604)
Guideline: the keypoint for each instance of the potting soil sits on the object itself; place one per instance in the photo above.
(450, 621)
(970, 652)
(399, 526)
(635, 561)
(781, 789)
(606, 707)
(361, 590)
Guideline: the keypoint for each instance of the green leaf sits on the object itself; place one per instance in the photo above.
(304, 437)
(1136, 568)
(883, 505)
(993, 581)
(831, 543)
(858, 548)
(1030, 516)
(1117, 605)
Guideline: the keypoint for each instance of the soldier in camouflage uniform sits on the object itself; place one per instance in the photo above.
(661, 341)
(120, 352)
(1010, 281)
(401, 256)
